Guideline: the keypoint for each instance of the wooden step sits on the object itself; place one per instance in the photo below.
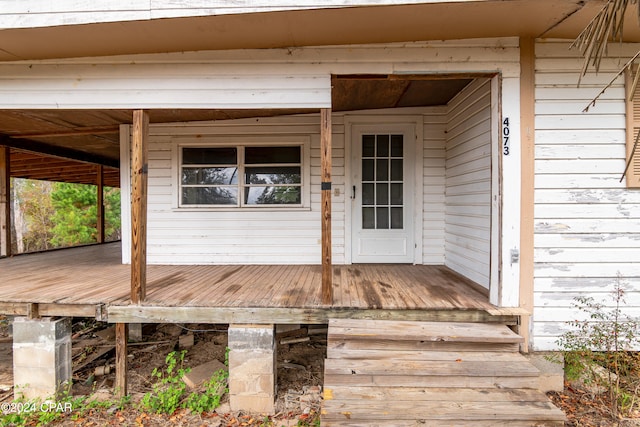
(415, 336)
(402, 373)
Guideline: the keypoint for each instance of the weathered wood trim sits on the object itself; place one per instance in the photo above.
(320, 315)
(325, 173)
(52, 310)
(632, 108)
(527, 141)
(139, 177)
(120, 385)
(100, 204)
(67, 153)
(5, 202)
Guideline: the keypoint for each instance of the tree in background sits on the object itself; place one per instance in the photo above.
(56, 214)
(76, 213)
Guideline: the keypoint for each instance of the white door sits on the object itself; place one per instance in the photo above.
(381, 194)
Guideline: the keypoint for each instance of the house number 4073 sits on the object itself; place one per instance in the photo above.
(505, 136)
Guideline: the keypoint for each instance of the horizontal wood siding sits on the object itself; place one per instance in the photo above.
(433, 181)
(273, 236)
(468, 183)
(587, 224)
(265, 78)
(36, 13)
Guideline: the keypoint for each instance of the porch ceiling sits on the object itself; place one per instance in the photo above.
(69, 143)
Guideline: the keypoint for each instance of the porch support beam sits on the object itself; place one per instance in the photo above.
(139, 175)
(122, 336)
(325, 172)
(100, 204)
(527, 132)
(5, 202)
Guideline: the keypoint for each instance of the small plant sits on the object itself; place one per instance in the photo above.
(169, 391)
(602, 341)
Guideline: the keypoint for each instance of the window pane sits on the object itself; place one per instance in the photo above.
(272, 196)
(396, 146)
(272, 175)
(382, 146)
(396, 170)
(368, 145)
(382, 218)
(382, 194)
(396, 194)
(367, 194)
(209, 156)
(367, 169)
(258, 155)
(210, 196)
(396, 218)
(382, 170)
(203, 176)
(368, 218)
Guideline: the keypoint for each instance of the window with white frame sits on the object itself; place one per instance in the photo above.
(241, 176)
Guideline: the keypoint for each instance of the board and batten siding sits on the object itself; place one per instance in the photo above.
(272, 235)
(587, 224)
(468, 182)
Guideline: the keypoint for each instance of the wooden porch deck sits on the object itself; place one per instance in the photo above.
(91, 281)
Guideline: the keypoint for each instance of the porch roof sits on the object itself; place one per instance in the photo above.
(91, 281)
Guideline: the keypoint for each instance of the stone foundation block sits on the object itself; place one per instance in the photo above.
(41, 357)
(252, 368)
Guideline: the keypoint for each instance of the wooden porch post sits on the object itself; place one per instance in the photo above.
(325, 172)
(139, 171)
(5, 202)
(100, 203)
(527, 127)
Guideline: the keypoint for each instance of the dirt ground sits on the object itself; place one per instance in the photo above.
(300, 376)
(300, 371)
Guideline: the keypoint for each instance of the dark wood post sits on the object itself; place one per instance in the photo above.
(5, 202)
(121, 359)
(139, 173)
(100, 203)
(325, 172)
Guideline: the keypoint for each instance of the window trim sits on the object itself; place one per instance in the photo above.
(304, 142)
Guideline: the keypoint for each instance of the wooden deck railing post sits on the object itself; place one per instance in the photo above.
(139, 173)
(100, 204)
(325, 172)
(5, 202)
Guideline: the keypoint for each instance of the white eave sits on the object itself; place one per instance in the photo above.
(122, 27)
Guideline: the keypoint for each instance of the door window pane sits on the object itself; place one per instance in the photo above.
(382, 146)
(382, 218)
(368, 218)
(368, 145)
(382, 194)
(367, 169)
(396, 194)
(396, 218)
(367, 194)
(382, 170)
(396, 146)
(396, 170)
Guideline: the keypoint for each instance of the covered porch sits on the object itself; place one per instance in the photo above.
(91, 281)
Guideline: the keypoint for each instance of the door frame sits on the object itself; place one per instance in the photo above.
(383, 118)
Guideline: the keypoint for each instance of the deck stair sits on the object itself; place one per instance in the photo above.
(405, 373)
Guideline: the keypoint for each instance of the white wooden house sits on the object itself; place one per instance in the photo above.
(457, 136)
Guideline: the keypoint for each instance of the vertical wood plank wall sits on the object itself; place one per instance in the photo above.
(587, 224)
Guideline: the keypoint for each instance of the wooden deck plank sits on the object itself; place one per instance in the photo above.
(94, 275)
